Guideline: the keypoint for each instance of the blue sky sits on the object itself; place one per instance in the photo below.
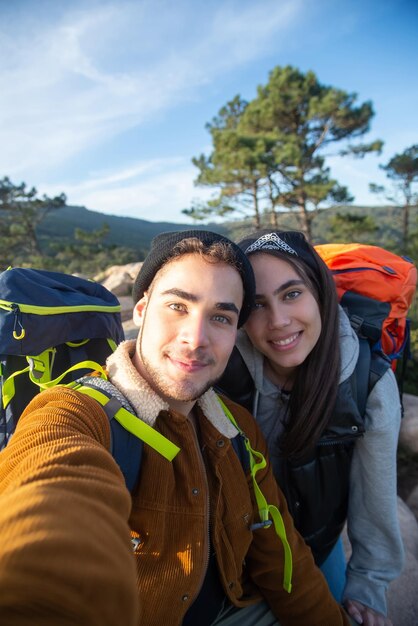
(107, 100)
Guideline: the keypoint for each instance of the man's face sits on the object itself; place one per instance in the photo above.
(188, 325)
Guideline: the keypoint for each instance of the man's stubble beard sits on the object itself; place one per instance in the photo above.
(186, 391)
(164, 387)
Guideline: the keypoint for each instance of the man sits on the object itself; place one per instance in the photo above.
(201, 555)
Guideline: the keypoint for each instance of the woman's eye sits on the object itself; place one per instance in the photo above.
(259, 305)
(222, 319)
(291, 295)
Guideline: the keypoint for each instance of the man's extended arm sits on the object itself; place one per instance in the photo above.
(65, 553)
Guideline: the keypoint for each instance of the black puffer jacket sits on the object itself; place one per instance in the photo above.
(316, 487)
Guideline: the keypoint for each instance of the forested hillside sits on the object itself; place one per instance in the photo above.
(59, 226)
(136, 234)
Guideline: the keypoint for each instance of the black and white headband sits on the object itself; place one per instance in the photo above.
(289, 242)
(270, 241)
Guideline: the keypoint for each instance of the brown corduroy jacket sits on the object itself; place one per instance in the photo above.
(66, 517)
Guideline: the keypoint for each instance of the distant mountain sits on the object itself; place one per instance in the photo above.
(388, 221)
(137, 234)
(124, 231)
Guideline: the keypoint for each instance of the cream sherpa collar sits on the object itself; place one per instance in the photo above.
(147, 403)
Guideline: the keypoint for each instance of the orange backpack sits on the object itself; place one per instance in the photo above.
(376, 287)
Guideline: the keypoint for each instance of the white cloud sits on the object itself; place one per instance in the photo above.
(246, 32)
(99, 69)
(155, 190)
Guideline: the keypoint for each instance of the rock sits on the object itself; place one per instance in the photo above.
(119, 283)
(402, 594)
(129, 327)
(131, 331)
(126, 307)
(130, 268)
(412, 502)
(408, 436)
(119, 278)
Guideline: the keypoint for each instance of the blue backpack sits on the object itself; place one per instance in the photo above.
(54, 328)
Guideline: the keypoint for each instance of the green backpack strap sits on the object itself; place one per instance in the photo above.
(39, 370)
(266, 511)
(8, 387)
(130, 422)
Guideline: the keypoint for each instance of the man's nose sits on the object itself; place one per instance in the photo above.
(195, 332)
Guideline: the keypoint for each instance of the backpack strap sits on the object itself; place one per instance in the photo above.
(362, 375)
(130, 421)
(128, 432)
(372, 363)
(39, 372)
(238, 443)
(405, 355)
(8, 389)
(266, 511)
(370, 367)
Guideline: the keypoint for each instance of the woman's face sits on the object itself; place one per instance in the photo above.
(286, 323)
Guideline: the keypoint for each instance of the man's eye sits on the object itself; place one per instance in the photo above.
(259, 305)
(177, 306)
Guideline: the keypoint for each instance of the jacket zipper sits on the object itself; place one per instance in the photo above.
(207, 517)
(335, 442)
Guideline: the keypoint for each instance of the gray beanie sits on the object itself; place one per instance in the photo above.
(161, 252)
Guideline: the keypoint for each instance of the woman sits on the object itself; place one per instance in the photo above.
(294, 368)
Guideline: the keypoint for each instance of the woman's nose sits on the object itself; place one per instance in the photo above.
(279, 317)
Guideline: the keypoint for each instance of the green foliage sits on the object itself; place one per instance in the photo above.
(361, 150)
(129, 232)
(199, 211)
(387, 220)
(21, 211)
(402, 170)
(269, 153)
(410, 382)
(89, 254)
(236, 167)
(22, 216)
(412, 248)
(348, 227)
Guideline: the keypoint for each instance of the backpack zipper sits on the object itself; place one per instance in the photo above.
(55, 310)
(16, 308)
(385, 269)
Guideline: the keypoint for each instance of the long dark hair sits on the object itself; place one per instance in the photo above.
(315, 387)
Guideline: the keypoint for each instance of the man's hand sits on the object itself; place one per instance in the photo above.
(365, 615)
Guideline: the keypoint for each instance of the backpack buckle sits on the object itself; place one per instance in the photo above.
(356, 322)
(36, 367)
(41, 365)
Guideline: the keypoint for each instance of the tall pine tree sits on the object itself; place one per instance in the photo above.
(270, 153)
